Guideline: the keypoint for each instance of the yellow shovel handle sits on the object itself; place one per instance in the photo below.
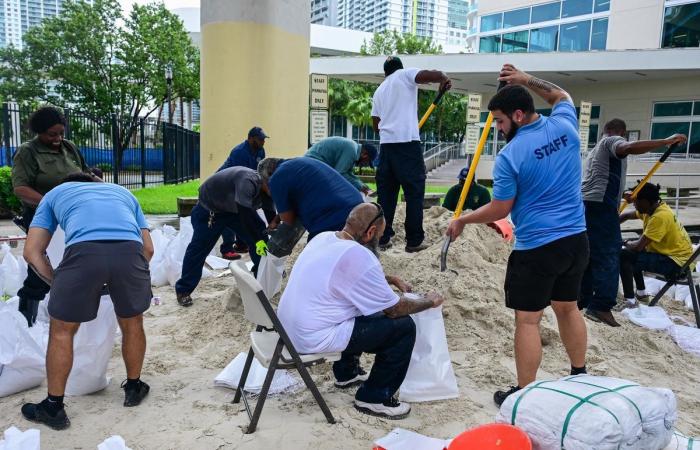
(472, 166)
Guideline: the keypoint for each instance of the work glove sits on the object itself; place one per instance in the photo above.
(261, 248)
(29, 309)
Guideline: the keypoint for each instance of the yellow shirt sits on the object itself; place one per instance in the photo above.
(667, 235)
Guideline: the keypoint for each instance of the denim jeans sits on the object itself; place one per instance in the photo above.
(401, 165)
(600, 281)
(633, 264)
(391, 340)
(204, 239)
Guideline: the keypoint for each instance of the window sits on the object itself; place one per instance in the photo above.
(601, 6)
(663, 130)
(544, 39)
(599, 34)
(682, 26)
(516, 17)
(694, 138)
(492, 22)
(515, 42)
(677, 117)
(674, 109)
(575, 37)
(490, 44)
(570, 8)
(542, 13)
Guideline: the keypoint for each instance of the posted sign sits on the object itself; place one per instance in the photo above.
(584, 117)
(318, 125)
(318, 92)
(473, 108)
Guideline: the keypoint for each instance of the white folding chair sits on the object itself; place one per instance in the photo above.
(271, 345)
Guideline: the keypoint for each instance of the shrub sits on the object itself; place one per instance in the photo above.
(8, 199)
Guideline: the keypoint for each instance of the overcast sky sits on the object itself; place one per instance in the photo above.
(171, 4)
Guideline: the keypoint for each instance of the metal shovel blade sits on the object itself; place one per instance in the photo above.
(443, 254)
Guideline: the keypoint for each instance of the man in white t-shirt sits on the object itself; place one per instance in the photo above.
(339, 300)
(401, 165)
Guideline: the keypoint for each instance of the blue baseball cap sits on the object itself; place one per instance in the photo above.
(463, 174)
(371, 152)
(257, 132)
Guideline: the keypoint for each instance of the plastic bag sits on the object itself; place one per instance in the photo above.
(56, 247)
(430, 375)
(282, 380)
(14, 271)
(616, 414)
(92, 349)
(175, 252)
(14, 439)
(158, 265)
(113, 443)
(270, 273)
(687, 338)
(22, 358)
(400, 439)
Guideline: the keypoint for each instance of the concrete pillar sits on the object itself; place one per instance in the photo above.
(254, 72)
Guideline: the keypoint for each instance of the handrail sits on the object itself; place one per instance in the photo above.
(440, 154)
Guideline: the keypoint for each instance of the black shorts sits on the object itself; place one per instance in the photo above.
(86, 267)
(551, 272)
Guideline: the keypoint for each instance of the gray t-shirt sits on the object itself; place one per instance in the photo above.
(604, 173)
(224, 191)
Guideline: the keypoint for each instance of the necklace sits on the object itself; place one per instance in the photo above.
(346, 234)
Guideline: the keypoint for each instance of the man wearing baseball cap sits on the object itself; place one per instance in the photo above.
(343, 155)
(246, 154)
(478, 194)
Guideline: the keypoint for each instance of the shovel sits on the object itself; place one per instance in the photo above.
(468, 182)
(644, 181)
(431, 108)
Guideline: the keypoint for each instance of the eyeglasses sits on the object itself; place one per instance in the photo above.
(380, 214)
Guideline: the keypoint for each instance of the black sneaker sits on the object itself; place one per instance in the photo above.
(500, 396)
(133, 395)
(390, 409)
(39, 413)
(359, 378)
(416, 248)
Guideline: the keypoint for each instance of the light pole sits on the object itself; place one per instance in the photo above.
(169, 82)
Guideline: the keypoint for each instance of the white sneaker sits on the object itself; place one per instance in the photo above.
(354, 381)
(390, 409)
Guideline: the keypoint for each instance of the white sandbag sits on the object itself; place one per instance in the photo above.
(57, 247)
(14, 271)
(679, 441)
(14, 439)
(400, 439)
(22, 359)
(113, 443)
(92, 349)
(175, 252)
(687, 338)
(158, 265)
(586, 412)
(217, 263)
(430, 375)
(282, 381)
(270, 273)
(653, 286)
(654, 317)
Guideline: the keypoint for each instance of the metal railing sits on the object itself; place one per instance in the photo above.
(440, 154)
(132, 154)
(677, 197)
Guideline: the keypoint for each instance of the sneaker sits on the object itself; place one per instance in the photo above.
(386, 246)
(643, 298)
(390, 409)
(605, 317)
(231, 256)
(183, 299)
(415, 248)
(354, 381)
(500, 396)
(133, 395)
(240, 248)
(38, 413)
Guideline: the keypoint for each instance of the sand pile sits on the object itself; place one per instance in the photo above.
(187, 347)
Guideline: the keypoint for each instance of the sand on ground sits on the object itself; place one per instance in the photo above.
(188, 347)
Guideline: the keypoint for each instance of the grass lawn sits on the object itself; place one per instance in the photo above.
(163, 199)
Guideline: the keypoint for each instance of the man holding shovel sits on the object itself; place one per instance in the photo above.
(537, 179)
(401, 165)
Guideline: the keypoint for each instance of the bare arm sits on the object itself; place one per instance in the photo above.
(28, 195)
(434, 76)
(35, 253)
(629, 215)
(638, 245)
(375, 123)
(641, 147)
(407, 306)
(399, 283)
(491, 212)
(550, 92)
(147, 244)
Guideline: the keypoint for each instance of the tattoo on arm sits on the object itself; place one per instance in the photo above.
(407, 306)
(546, 86)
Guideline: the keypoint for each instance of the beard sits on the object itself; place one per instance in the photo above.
(514, 127)
(373, 246)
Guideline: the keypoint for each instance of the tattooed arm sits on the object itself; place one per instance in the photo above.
(407, 306)
(550, 92)
(35, 253)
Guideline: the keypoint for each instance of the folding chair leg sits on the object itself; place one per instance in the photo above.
(661, 293)
(244, 375)
(694, 296)
(265, 388)
(314, 389)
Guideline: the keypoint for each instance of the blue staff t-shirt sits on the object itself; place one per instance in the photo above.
(89, 211)
(321, 198)
(541, 169)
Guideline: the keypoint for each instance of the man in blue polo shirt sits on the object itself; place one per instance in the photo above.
(246, 154)
(537, 179)
(310, 191)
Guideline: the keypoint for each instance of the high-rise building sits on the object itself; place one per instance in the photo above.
(461, 24)
(17, 16)
(324, 12)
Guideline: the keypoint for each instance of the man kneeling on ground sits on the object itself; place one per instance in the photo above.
(338, 299)
(663, 248)
(107, 242)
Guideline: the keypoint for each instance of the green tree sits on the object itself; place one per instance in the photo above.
(19, 81)
(394, 43)
(104, 63)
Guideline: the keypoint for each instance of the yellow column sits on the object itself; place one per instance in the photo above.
(254, 72)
